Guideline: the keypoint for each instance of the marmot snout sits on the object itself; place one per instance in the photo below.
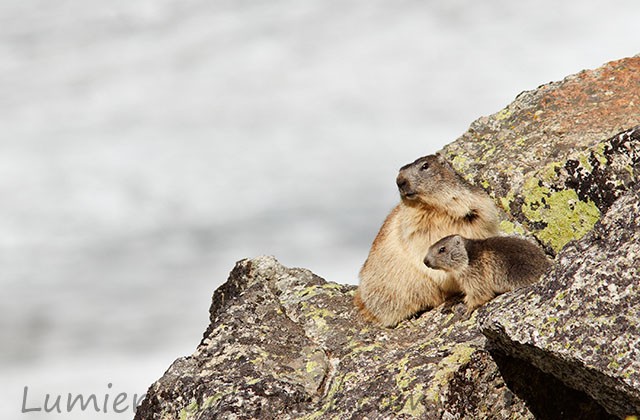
(429, 181)
(448, 254)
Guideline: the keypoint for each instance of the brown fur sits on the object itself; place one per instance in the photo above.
(488, 267)
(394, 282)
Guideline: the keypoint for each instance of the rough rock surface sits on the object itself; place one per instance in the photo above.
(559, 160)
(583, 323)
(553, 159)
(562, 162)
(283, 343)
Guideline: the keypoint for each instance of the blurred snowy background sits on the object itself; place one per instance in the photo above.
(146, 145)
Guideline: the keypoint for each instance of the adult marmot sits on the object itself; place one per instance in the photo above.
(435, 202)
(487, 267)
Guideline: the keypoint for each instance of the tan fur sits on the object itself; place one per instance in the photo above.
(488, 267)
(394, 282)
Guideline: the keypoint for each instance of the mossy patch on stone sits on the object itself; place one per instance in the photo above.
(562, 215)
(189, 411)
(503, 114)
(511, 228)
(446, 368)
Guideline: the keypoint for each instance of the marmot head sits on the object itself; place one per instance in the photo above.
(448, 254)
(430, 181)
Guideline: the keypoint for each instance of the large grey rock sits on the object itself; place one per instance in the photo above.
(582, 323)
(283, 343)
(553, 159)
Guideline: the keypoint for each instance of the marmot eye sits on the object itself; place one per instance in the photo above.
(442, 250)
(424, 166)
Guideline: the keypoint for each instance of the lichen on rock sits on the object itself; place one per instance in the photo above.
(582, 324)
(562, 162)
(557, 157)
(284, 343)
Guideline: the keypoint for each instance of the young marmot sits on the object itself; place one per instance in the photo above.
(435, 202)
(488, 267)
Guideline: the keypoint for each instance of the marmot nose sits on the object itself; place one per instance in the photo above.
(402, 182)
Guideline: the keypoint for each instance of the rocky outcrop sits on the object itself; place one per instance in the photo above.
(553, 159)
(562, 162)
(583, 323)
(284, 343)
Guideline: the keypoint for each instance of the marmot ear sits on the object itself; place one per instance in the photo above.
(458, 239)
(440, 158)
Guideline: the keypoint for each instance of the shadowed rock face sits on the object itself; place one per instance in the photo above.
(562, 161)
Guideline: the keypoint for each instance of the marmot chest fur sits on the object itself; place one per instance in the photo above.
(485, 268)
(435, 202)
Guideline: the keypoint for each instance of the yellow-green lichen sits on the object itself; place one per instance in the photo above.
(318, 414)
(404, 377)
(357, 348)
(407, 396)
(260, 357)
(449, 330)
(311, 366)
(189, 411)
(598, 153)
(489, 152)
(219, 329)
(320, 323)
(549, 326)
(511, 228)
(332, 286)
(322, 313)
(504, 114)
(388, 402)
(315, 290)
(315, 312)
(317, 315)
(506, 201)
(630, 171)
(565, 216)
(461, 355)
(336, 386)
(211, 401)
(551, 170)
(308, 292)
(460, 163)
(583, 158)
(413, 404)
